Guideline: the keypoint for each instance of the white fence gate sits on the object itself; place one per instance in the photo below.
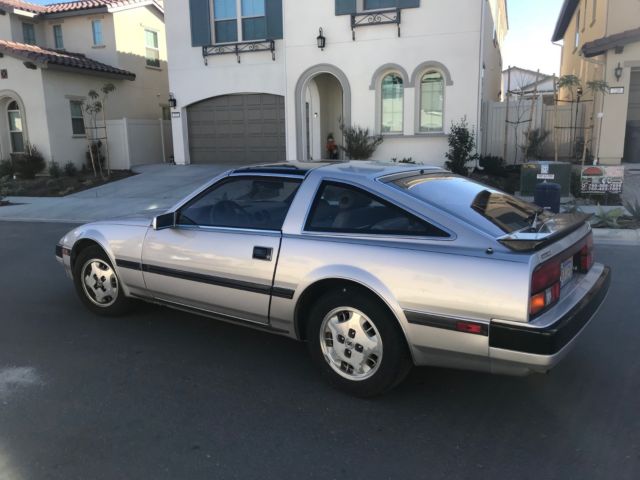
(570, 119)
(138, 142)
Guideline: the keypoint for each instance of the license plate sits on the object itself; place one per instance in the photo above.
(566, 271)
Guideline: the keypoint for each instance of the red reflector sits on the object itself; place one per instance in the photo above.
(469, 327)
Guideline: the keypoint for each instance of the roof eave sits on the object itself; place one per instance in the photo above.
(564, 19)
(94, 73)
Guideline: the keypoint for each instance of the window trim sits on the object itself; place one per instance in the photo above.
(147, 47)
(239, 23)
(364, 8)
(54, 28)
(74, 134)
(21, 131)
(594, 12)
(94, 22)
(418, 89)
(306, 228)
(33, 31)
(221, 182)
(380, 99)
(576, 40)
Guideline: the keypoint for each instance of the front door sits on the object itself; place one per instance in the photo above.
(221, 256)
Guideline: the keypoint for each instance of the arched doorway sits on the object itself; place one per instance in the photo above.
(12, 124)
(323, 104)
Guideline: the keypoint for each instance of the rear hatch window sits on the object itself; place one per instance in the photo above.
(519, 225)
(490, 210)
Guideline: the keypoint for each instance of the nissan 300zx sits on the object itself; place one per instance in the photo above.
(377, 267)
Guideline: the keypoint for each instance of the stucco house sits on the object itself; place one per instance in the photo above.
(52, 55)
(601, 41)
(527, 83)
(267, 80)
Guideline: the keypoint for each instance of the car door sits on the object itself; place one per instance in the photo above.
(221, 254)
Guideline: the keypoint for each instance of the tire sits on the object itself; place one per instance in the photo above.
(98, 284)
(357, 343)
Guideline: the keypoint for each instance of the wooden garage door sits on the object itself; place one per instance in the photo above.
(237, 129)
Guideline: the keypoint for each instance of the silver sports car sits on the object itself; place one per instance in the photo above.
(377, 267)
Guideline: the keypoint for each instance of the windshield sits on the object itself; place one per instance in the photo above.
(474, 202)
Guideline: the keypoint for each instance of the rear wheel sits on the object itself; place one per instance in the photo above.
(97, 283)
(357, 343)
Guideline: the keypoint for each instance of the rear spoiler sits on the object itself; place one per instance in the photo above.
(556, 228)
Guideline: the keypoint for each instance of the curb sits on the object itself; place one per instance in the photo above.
(610, 236)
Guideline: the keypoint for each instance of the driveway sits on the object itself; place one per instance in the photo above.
(160, 394)
(154, 186)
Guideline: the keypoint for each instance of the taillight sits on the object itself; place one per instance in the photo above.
(585, 256)
(545, 286)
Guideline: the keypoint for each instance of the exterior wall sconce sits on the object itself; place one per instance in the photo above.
(322, 41)
(172, 100)
(618, 72)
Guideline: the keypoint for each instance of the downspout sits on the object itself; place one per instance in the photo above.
(480, 78)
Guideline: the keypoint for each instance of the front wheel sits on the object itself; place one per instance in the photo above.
(357, 343)
(97, 283)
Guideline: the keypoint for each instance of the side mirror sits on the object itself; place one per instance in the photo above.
(166, 220)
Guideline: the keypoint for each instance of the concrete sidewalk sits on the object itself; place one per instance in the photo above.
(155, 186)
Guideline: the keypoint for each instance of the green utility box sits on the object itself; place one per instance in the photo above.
(533, 173)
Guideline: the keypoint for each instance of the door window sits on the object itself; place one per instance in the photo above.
(345, 209)
(259, 203)
(15, 127)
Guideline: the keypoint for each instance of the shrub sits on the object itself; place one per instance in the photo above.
(6, 168)
(633, 209)
(70, 169)
(492, 165)
(535, 143)
(54, 170)
(461, 145)
(28, 163)
(404, 160)
(358, 143)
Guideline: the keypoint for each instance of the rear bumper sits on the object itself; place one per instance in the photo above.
(541, 348)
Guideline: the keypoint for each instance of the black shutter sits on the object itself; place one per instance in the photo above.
(345, 7)
(274, 19)
(200, 22)
(408, 3)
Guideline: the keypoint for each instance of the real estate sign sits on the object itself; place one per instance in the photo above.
(600, 180)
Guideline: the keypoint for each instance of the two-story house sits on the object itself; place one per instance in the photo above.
(268, 80)
(52, 55)
(601, 42)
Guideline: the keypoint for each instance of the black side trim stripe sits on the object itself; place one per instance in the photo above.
(446, 323)
(59, 251)
(129, 265)
(209, 279)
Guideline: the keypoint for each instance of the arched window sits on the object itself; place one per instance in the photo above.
(15, 127)
(431, 102)
(392, 93)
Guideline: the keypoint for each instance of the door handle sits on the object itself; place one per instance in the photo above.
(262, 253)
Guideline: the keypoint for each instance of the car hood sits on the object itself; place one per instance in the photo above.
(141, 219)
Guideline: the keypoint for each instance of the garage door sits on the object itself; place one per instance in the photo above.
(237, 129)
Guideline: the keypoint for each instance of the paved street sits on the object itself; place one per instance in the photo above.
(162, 394)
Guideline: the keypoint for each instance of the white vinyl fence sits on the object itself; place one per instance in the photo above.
(544, 118)
(138, 142)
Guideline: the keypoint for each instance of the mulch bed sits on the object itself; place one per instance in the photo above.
(56, 187)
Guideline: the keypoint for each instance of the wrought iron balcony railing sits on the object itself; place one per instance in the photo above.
(239, 48)
(378, 17)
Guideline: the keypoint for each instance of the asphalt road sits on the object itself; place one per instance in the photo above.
(162, 394)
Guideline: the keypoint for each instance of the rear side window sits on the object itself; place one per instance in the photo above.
(259, 203)
(343, 208)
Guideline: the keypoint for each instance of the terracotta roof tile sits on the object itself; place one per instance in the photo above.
(59, 58)
(26, 6)
(74, 6)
